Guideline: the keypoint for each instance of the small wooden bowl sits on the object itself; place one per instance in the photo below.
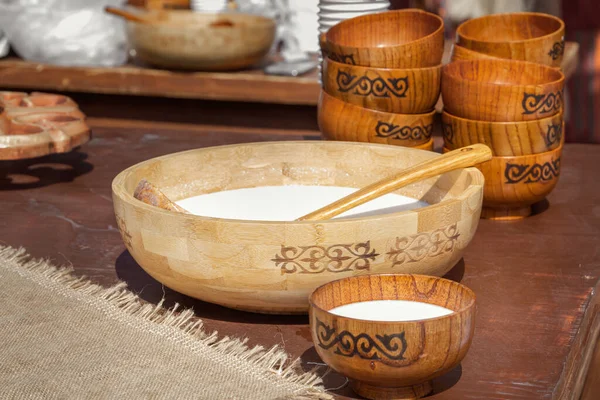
(514, 184)
(405, 91)
(460, 53)
(425, 146)
(501, 90)
(504, 138)
(339, 120)
(184, 39)
(273, 266)
(408, 38)
(531, 37)
(392, 360)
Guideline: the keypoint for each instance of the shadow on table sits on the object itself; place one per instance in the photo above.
(339, 385)
(152, 291)
(43, 171)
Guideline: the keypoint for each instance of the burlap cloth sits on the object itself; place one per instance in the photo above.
(62, 337)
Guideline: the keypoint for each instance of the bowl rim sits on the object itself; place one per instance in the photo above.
(342, 24)
(360, 109)
(559, 114)
(542, 154)
(456, 64)
(311, 303)
(262, 21)
(561, 27)
(118, 190)
(336, 64)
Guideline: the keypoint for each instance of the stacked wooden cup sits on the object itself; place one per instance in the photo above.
(381, 78)
(504, 88)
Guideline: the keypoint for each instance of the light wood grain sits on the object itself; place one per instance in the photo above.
(405, 91)
(407, 38)
(392, 360)
(501, 90)
(264, 266)
(504, 138)
(339, 120)
(462, 158)
(531, 37)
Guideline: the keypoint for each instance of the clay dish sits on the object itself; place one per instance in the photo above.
(392, 360)
(504, 138)
(343, 121)
(405, 91)
(501, 90)
(408, 38)
(273, 266)
(514, 184)
(184, 39)
(531, 37)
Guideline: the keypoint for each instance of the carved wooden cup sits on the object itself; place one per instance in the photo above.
(460, 53)
(273, 266)
(405, 91)
(504, 138)
(501, 90)
(534, 37)
(514, 184)
(392, 360)
(339, 120)
(408, 38)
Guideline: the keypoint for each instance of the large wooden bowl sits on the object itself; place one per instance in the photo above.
(183, 39)
(524, 36)
(408, 38)
(392, 360)
(339, 120)
(514, 184)
(501, 90)
(504, 138)
(272, 267)
(406, 91)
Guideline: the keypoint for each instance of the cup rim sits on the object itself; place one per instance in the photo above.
(463, 310)
(491, 16)
(390, 70)
(559, 114)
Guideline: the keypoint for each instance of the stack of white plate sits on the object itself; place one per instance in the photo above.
(332, 12)
(208, 5)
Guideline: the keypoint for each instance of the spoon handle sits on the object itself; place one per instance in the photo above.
(129, 16)
(460, 158)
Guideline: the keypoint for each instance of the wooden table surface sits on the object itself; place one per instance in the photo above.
(248, 85)
(537, 318)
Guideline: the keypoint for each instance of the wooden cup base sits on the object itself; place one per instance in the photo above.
(396, 393)
(505, 214)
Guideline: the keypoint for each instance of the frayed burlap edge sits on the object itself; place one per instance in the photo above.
(120, 304)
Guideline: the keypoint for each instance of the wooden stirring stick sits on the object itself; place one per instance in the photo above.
(459, 158)
(150, 194)
(129, 16)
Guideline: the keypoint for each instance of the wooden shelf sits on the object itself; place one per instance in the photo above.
(247, 86)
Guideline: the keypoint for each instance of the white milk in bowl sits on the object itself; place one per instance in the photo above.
(391, 310)
(287, 203)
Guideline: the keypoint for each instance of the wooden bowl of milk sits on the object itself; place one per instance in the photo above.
(240, 246)
(392, 334)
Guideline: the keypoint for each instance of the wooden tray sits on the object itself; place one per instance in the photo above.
(37, 124)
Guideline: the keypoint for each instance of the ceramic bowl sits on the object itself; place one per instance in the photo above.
(514, 184)
(339, 120)
(531, 37)
(272, 267)
(408, 38)
(405, 91)
(392, 360)
(184, 39)
(504, 138)
(501, 90)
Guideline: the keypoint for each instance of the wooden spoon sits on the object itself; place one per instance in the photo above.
(455, 159)
(128, 15)
(460, 158)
